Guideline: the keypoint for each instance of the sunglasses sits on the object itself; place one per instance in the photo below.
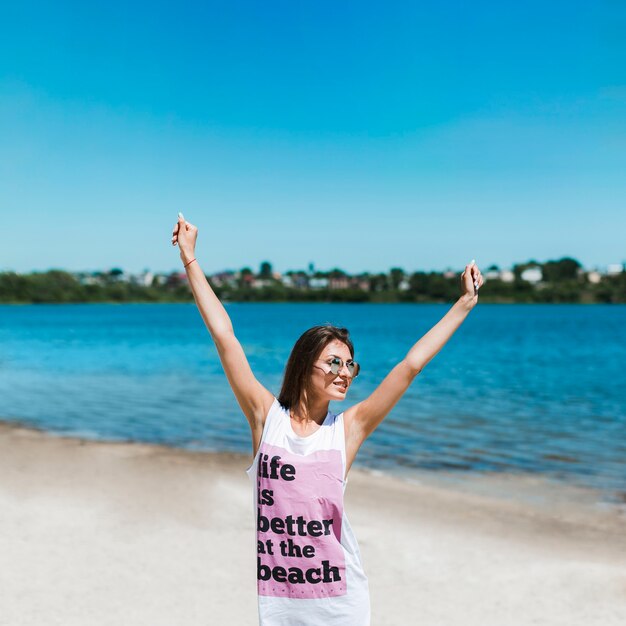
(336, 365)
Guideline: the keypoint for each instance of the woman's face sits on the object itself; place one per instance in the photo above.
(324, 383)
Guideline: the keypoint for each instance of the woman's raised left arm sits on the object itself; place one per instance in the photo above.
(368, 414)
(435, 339)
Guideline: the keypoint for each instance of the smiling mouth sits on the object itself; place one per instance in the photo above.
(341, 385)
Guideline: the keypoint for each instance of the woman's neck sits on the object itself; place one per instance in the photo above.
(315, 411)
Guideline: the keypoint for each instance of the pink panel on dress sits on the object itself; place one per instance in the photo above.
(299, 552)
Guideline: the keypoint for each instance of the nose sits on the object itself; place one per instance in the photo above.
(345, 374)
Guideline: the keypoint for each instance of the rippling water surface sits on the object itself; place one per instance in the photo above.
(518, 389)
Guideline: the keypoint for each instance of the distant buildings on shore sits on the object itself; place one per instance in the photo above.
(532, 273)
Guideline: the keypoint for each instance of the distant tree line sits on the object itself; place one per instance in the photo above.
(557, 281)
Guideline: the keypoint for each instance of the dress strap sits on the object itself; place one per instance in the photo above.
(273, 421)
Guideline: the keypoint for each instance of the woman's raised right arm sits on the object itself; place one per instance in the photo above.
(253, 398)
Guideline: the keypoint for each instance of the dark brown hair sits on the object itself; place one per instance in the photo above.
(300, 363)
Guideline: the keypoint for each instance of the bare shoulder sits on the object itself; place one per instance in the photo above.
(267, 399)
(257, 409)
(351, 424)
(349, 414)
(354, 433)
(258, 424)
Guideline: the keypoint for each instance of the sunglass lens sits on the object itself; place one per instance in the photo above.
(337, 364)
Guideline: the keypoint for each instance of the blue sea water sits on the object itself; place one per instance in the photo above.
(529, 389)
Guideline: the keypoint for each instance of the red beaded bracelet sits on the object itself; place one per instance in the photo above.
(186, 264)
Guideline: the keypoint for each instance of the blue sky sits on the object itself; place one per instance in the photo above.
(352, 135)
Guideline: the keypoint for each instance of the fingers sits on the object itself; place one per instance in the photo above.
(177, 227)
(175, 232)
(182, 220)
(188, 228)
(477, 277)
(474, 269)
(474, 273)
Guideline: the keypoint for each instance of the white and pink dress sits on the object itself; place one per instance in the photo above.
(309, 569)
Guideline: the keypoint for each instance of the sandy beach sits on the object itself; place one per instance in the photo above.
(98, 534)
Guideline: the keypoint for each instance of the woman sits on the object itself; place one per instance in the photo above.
(309, 569)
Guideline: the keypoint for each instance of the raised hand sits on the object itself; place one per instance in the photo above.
(184, 235)
(471, 280)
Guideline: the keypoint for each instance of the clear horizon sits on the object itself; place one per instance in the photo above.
(357, 136)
